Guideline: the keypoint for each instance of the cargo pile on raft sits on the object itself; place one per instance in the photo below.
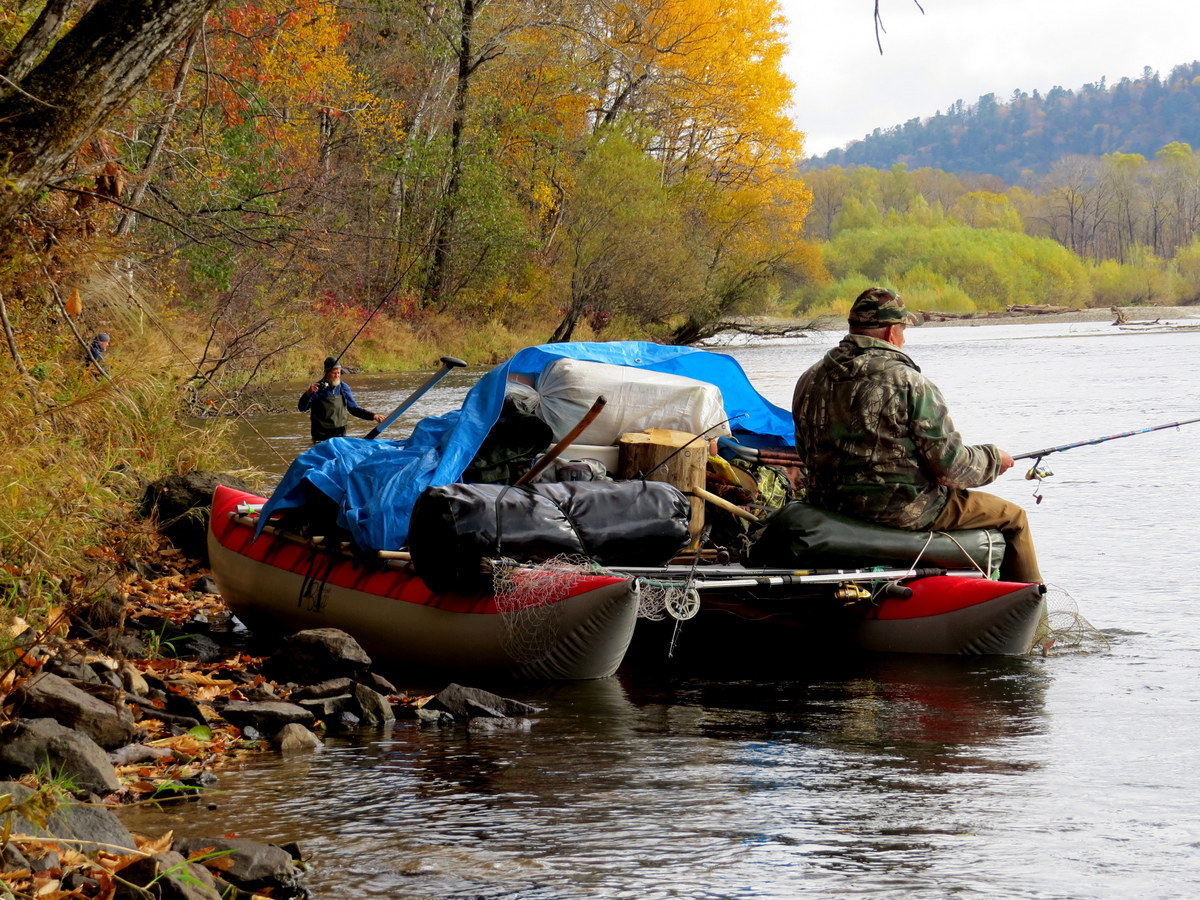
(593, 503)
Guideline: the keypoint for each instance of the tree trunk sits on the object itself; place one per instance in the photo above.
(35, 41)
(439, 271)
(129, 219)
(93, 70)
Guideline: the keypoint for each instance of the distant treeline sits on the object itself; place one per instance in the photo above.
(1117, 230)
(1030, 132)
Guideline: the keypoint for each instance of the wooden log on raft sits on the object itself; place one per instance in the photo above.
(679, 458)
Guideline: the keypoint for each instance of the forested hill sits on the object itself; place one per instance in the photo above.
(1029, 132)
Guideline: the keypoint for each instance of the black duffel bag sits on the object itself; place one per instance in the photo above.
(800, 535)
(456, 526)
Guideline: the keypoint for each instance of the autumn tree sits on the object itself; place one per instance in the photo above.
(51, 109)
(624, 246)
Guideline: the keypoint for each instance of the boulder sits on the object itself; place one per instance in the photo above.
(172, 877)
(28, 745)
(333, 687)
(329, 707)
(89, 825)
(265, 717)
(374, 706)
(481, 725)
(468, 703)
(182, 504)
(316, 655)
(296, 738)
(50, 696)
(249, 865)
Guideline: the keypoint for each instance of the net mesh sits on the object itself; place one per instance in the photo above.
(524, 598)
(524, 593)
(1063, 629)
(658, 600)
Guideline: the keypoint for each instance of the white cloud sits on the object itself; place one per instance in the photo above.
(960, 49)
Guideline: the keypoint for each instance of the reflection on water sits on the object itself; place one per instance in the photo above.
(651, 788)
(1066, 777)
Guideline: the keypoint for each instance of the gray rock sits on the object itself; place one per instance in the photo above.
(468, 703)
(329, 707)
(267, 717)
(132, 680)
(331, 688)
(296, 738)
(248, 864)
(343, 721)
(488, 726)
(173, 877)
(375, 709)
(377, 682)
(31, 744)
(437, 717)
(56, 698)
(182, 505)
(11, 858)
(206, 585)
(87, 826)
(317, 654)
(136, 753)
(196, 646)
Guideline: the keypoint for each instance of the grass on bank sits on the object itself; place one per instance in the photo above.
(76, 451)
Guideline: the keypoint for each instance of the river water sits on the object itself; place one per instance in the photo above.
(1070, 775)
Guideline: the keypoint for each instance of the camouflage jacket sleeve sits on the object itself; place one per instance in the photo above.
(940, 447)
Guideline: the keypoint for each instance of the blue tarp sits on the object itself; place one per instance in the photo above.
(375, 483)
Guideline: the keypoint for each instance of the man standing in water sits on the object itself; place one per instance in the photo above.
(879, 444)
(329, 403)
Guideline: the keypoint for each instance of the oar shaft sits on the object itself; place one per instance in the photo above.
(1037, 454)
(569, 438)
(448, 363)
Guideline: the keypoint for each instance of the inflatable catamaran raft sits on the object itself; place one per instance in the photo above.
(675, 512)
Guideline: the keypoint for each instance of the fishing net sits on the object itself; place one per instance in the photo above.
(1063, 629)
(523, 597)
(531, 622)
(658, 600)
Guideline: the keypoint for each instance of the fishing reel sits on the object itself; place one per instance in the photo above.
(1038, 474)
(851, 593)
(323, 385)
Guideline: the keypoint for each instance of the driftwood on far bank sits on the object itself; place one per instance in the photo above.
(1017, 309)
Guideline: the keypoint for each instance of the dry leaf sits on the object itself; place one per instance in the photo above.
(152, 846)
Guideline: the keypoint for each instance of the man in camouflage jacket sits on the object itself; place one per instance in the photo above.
(879, 444)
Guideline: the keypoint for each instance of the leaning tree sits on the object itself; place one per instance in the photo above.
(49, 109)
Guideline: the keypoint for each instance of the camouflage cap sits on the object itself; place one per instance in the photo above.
(878, 308)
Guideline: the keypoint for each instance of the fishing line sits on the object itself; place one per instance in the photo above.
(700, 434)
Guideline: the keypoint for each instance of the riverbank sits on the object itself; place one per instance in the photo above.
(142, 696)
(1134, 314)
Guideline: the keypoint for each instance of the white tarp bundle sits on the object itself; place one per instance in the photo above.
(638, 399)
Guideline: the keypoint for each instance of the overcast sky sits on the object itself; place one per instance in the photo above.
(961, 49)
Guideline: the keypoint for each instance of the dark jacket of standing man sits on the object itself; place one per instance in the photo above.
(879, 444)
(95, 354)
(330, 403)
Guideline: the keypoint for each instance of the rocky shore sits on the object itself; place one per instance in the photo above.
(142, 694)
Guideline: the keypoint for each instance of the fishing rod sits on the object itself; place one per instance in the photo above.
(386, 296)
(337, 360)
(1038, 454)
